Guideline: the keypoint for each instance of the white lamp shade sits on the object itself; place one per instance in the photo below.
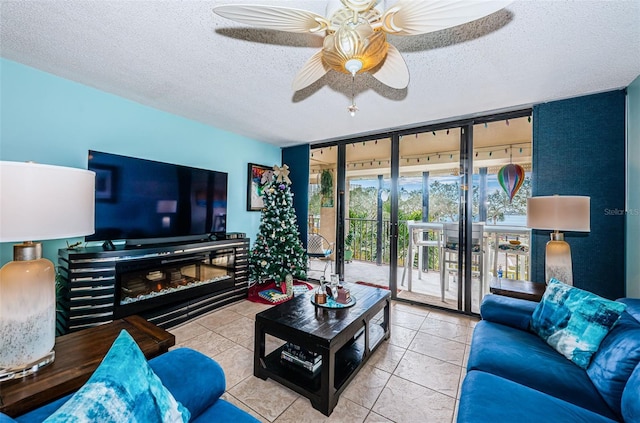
(559, 212)
(40, 202)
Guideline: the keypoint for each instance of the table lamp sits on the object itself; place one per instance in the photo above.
(559, 213)
(38, 202)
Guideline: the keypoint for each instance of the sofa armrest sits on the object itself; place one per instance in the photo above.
(6, 419)
(508, 311)
(194, 379)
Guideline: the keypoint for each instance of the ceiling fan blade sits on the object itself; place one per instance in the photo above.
(274, 17)
(394, 71)
(409, 17)
(313, 70)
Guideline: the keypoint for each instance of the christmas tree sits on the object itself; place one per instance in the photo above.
(277, 250)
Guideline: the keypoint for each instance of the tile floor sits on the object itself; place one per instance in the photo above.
(415, 376)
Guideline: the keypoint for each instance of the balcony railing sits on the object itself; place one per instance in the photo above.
(371, 240)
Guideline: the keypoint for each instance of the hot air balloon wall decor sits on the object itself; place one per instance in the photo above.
(511, 178)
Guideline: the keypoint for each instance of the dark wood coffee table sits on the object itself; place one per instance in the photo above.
(78, 354)
(345, 338)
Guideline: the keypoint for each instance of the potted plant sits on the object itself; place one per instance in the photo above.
(326, 184)
(348, 251)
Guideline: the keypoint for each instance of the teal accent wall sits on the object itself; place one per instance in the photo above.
(579, 149)
(297, 158)
(51, 120)
(633, 193)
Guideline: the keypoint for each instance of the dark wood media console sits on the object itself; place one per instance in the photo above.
(166, 284)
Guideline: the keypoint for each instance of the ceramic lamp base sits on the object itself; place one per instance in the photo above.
(27, 312)
(558, 260)
(27, 369)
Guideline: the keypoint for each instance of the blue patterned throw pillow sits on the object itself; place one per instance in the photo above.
(574, 321)
(122, 389)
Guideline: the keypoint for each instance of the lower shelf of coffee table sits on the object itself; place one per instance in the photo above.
(348, 359)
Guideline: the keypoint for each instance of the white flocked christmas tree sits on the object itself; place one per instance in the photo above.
(277, 250)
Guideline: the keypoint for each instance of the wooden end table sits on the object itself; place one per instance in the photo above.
(345, 338)
(78, 354)
(524, 290)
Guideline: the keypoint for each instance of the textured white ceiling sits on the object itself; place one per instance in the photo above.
(179, 57)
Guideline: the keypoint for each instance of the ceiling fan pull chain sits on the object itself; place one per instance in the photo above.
(353, 108)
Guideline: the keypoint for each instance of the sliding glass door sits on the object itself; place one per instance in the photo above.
(429, 202)
(367, 222)
(323, 206)
(426, 213)
(502, 166)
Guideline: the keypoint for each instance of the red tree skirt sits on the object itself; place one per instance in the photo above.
(257, 288)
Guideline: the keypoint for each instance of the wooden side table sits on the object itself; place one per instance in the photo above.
(524, 290)
(78, 354)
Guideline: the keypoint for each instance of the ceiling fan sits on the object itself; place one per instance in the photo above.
(356, 33)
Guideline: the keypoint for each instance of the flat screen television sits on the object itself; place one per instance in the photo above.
(147, 202)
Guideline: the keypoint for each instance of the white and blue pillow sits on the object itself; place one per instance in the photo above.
(574, 321)
(122, 389)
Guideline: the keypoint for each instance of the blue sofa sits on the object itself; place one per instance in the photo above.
(514, 375)
(195, 380)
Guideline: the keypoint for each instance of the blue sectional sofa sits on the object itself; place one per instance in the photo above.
(194, 380)
(513, 375)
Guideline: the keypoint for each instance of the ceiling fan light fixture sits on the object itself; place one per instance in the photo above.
(361, 43)
(353, 66)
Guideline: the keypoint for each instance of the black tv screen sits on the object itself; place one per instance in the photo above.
(143, 201)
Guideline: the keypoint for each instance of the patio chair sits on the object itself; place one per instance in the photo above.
(419, 243)
(318, 248)
(450, 254)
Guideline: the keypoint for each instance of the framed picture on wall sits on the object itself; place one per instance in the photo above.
(255, 184)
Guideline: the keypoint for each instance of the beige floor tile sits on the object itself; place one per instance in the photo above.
(469, 336)
(247, 343)
(406, 319)
(218, 318)
(403, 401)
(429, 372)
(440, 348)
(210, 344)
(237, 363)
(401, 337)
(453, 318)
(386, 357)
(463, 373)
(365, 388)
(272, 343)
(444, 329)
(248, 308)
(187, 331)
(376, 418)
(301, 411)
(266, 397)
(455, 412)
(239, 330)
(347, 411)
(465, 361)
(409, 308)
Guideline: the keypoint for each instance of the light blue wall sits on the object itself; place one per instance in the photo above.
(633, 194)
(55, 121)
